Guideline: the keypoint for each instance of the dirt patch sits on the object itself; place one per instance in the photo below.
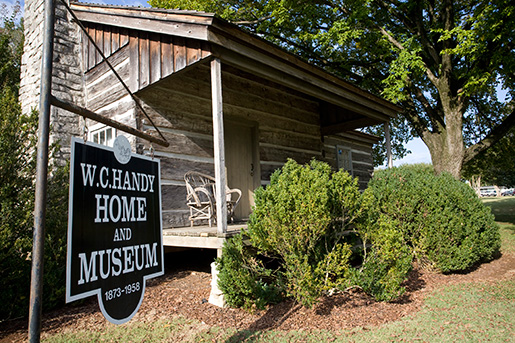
(184, 292)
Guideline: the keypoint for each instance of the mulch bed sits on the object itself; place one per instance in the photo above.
(183, 292)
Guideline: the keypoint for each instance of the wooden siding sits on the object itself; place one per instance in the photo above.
(287, 122)
(153, 56)
(109, 39)
(362, 160)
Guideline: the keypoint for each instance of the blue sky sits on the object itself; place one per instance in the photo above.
(121, 2)
(107, 2)
(419, 152)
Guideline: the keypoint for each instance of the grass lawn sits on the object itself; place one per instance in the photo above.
(465, 312)
(503, 208)
(504, 212)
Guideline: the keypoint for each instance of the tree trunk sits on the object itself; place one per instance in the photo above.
(446, 155)
(475, 183)
(445, 143)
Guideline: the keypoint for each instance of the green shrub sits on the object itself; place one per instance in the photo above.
(16, 205)
(440, 219)
(17, 150)
(17, 173)
(387, 261)
(244, 279)
(299, 220)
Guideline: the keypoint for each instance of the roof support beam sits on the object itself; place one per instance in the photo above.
(388, 144)
(219, 146)
(145, 21)
(263, 65)
(346, 126)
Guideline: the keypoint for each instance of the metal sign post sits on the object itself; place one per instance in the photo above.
(36, 285)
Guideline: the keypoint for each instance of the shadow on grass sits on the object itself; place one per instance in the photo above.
(272, 319)
(502, 208)
(504, 218)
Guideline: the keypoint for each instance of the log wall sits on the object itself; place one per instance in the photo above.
(288, 127)
(179, 103)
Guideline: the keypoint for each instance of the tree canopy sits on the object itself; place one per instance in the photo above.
(441, 60)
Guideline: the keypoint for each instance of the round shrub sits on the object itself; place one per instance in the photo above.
(297, 222)
(439, 217)
(299, 219)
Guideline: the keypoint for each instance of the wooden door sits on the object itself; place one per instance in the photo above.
(242, 164)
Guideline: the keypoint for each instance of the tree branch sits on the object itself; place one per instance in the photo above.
(432, 77)
(493, 137)
(419, 95)
(417, 122)
(424, 39)
(321, 60)
(390, 38)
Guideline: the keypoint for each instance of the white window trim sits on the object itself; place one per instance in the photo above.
(96, 129)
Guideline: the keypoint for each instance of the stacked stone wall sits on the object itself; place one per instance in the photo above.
(67, 72)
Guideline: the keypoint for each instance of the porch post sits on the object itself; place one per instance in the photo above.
(219, 146)
(388, 144)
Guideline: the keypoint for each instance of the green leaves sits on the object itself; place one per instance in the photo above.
(17, 179)
(316, 232)
(309, 221)
(407, 67)
(440, 60)
(440, 219)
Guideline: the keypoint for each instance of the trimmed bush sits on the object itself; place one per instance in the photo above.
(299, 221)
(299, 218)
(317, 232)
(387, 260)
(440, 218)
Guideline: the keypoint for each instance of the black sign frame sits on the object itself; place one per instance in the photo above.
(114, 227)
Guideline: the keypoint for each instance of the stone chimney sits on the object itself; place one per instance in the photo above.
(67, 74)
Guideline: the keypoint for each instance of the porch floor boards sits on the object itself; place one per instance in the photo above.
(201, 236)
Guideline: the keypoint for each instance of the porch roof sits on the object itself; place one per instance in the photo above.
(204, 36)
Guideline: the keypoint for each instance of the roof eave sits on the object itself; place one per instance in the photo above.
(241, 49)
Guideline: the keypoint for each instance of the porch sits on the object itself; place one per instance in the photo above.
(202, 236)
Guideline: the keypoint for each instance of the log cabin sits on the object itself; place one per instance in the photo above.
(230, 104)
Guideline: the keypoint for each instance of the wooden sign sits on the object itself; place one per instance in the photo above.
(114, 227)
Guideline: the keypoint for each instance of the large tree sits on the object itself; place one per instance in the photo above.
(442, 60)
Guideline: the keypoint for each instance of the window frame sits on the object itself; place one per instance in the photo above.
(98, 129)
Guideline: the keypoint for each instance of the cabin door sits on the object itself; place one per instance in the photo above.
(242, 164)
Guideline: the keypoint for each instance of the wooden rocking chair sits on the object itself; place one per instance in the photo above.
(201, 197)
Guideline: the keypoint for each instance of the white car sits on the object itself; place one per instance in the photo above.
(488, 193)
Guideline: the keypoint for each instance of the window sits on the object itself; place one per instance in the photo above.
(344, 158)
(102, 134)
